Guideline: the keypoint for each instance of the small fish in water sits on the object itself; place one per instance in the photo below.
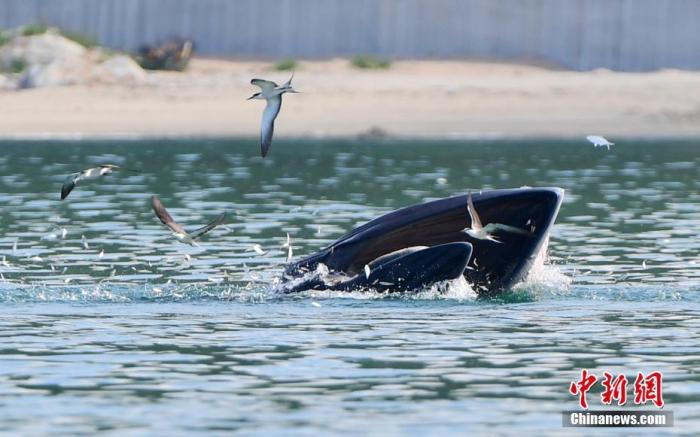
(599, 141)
(55, 234)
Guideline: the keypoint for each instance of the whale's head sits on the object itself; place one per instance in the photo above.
(525, 216)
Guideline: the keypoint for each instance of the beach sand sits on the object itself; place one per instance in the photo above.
(440, 99)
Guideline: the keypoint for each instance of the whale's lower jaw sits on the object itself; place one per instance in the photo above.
(411, 270)
(492, 267)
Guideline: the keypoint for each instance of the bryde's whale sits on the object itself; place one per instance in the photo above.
(427, 243)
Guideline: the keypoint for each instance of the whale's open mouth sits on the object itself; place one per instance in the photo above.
(499, 266)
(525, 216)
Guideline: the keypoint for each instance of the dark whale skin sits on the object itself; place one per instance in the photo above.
(408, 272)
(493, 267)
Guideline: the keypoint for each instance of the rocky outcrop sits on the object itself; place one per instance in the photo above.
(39, 50)
(121, 68)
(7, 83)
(50, 59)
(57, 73)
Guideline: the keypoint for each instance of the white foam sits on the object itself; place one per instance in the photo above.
(545, 278)
(456, 289)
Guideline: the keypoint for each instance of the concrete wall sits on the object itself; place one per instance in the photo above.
(580, 34)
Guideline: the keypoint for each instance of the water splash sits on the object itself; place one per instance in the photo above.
(455, 290)
(124, 293)
(545, 279)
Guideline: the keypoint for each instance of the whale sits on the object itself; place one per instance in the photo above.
(425, 231)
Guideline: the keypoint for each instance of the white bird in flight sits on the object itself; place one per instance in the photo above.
(481, 232)
(288, 245)
(91, 173)
(178, 231)
(272, 93)
(597, 141)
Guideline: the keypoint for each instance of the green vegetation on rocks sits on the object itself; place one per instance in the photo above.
(286, 65)
(371, 62)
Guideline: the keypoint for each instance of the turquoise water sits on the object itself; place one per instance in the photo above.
(116, 326)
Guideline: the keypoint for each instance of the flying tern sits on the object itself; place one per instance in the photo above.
(481, 232)
(288, 245)
(88, 174)
(272, 93)
(178, 231)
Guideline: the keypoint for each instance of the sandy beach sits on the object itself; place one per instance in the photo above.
(445, 99)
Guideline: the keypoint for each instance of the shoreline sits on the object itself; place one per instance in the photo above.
(462, 100)
(466, 138)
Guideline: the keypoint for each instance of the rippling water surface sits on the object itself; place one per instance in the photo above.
(108, 323)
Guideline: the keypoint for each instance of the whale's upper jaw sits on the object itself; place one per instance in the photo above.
(497, 267)
(494, 266)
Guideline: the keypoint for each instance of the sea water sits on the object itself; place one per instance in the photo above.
(108, 323)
